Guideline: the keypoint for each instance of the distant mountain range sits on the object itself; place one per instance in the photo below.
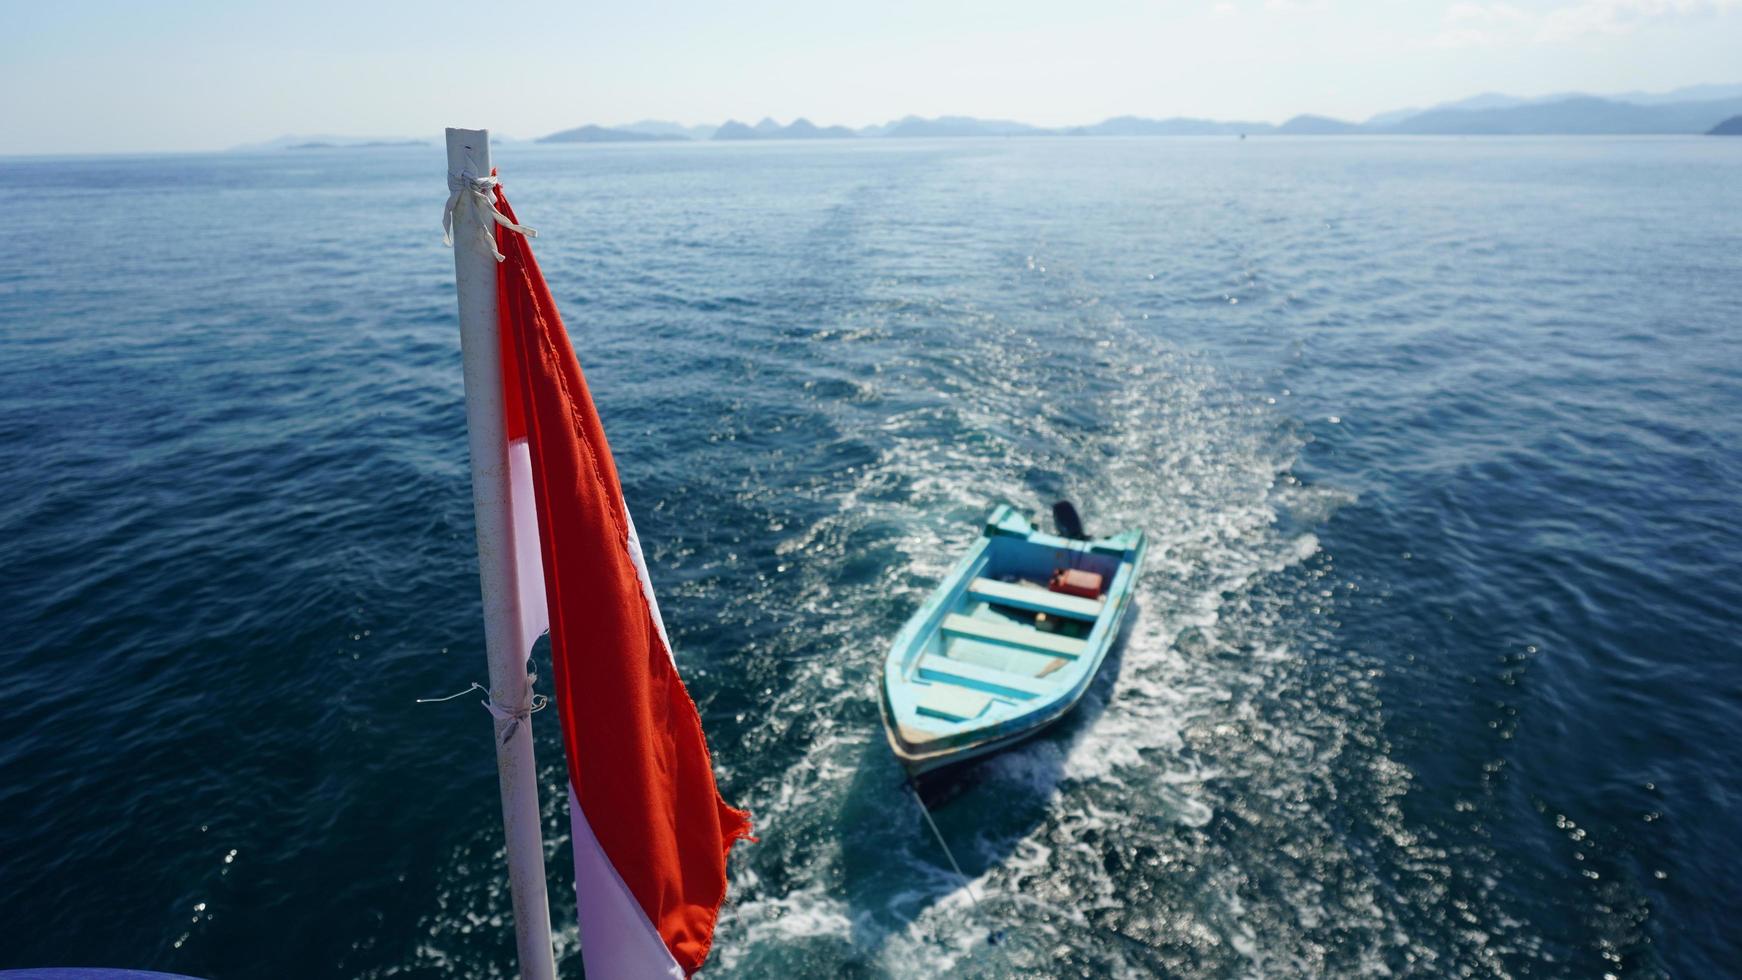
(1578, 115)
(913, 127)
(1494, 100)
(360, 145)
(654, 127)
(600, 134)
(768, 129)
(1483, 115)
(1691, 110)
(1138, 126)
(327, 143)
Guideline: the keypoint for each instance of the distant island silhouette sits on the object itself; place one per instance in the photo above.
(364, 145)
(1691, 110)
(768, 129)
(602, 134)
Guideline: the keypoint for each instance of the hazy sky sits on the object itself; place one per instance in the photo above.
(106, 75)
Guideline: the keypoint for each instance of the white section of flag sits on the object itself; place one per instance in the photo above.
(528, 557)
(617, 940)
(646, 583)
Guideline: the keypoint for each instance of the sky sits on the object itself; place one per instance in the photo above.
(100, 76)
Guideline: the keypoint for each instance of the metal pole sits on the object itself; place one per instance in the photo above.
(475, 281)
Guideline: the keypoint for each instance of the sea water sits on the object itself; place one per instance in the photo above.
(1434, 668)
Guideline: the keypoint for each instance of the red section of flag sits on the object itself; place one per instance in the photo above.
(637, 757)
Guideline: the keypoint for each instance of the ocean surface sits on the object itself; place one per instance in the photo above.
(1436, 668)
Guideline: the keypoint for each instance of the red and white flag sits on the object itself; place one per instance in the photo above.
(651, 832)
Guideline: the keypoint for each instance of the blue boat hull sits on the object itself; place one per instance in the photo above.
(997, 653)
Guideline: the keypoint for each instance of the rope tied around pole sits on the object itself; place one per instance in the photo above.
(534, 702)
(476, 192)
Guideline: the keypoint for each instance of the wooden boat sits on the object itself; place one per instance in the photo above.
(1009, 641)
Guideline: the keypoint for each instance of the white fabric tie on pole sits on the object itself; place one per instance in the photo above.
(514, 716)
(466, 188)
(537, 702)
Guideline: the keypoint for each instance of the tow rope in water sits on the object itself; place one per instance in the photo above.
(967, 883)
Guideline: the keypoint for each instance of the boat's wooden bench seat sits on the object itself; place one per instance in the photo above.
(1035, 599)
(990, 680)
(1011, 634)
(999, 656)
(952, 703)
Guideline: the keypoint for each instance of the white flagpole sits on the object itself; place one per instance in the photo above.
(475, 280)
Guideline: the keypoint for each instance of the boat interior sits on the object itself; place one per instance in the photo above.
(1006, 635)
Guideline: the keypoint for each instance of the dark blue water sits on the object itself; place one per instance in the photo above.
(1435, 669)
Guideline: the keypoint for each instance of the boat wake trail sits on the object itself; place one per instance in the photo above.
(1226, 765)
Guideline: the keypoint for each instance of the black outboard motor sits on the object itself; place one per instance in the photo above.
(1065, 519)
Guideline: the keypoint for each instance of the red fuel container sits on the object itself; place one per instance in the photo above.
(1075, 581)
